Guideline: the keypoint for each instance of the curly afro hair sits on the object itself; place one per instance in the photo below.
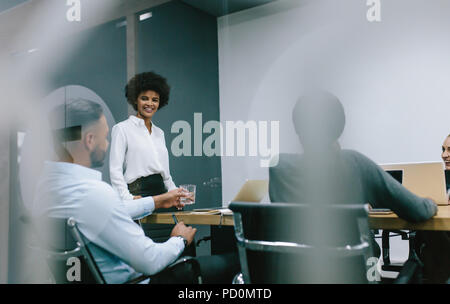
(144, 82)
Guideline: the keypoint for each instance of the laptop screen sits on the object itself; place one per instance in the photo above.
(397, 175)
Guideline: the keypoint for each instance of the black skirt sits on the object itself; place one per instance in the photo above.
(148, 186)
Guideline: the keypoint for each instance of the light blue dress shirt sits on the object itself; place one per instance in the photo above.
(119, 245)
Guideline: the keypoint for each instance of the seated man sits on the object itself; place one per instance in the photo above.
(70, 188)
(326, 174)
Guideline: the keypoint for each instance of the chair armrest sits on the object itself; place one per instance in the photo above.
(138, 279)
(387, 265)
(185, 259)
(76, 252)
(205, 239)
(193, 261)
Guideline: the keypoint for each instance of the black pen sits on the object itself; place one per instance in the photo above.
(174, 218)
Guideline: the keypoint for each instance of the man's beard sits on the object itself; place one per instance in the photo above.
(97, 158)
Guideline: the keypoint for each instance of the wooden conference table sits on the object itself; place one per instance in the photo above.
(440, 222)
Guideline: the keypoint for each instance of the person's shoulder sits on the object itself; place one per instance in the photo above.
(122, 124)
(99, 186)
(350, 152)
(121, 128)
(285, 160)
(353, 155)
(288, 158)
(360, 162)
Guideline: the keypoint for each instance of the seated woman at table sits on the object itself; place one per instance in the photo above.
(446, 159)
(139, 160)
(434, 246)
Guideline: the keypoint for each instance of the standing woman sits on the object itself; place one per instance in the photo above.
(139, 160)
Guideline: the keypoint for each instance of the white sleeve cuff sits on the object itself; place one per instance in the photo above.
(178, 242)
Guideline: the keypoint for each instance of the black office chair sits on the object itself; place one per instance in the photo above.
(278, 243)
(411, 271)
(60, 239)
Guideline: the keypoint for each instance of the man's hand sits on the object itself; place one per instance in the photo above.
(436, 205)
(187, 232)
(170, 199)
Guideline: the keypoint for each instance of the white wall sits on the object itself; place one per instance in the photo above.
(393, 76)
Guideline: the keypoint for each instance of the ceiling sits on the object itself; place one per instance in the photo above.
(220, 8)
(216, 8)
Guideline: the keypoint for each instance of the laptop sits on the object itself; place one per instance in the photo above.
(252, 191)
(424, 179)
(396, 174)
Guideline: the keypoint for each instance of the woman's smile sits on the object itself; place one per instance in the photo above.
(149, 109)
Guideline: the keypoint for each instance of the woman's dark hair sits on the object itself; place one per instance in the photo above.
(148, 81)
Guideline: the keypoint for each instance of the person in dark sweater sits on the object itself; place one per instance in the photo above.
(327, 173)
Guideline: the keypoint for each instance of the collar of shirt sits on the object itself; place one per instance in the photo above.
(139, 121)
(74, 170)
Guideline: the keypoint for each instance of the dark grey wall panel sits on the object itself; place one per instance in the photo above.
(100, 64)
(180, 43)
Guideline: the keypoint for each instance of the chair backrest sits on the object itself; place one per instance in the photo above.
(63, 246)
(298, 243)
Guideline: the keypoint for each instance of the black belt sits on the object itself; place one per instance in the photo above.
(148, 186)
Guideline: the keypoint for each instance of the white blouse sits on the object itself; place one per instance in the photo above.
(136, 153)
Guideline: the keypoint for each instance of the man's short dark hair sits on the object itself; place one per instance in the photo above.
(318, 116)
(69, 119)
(144, 82)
